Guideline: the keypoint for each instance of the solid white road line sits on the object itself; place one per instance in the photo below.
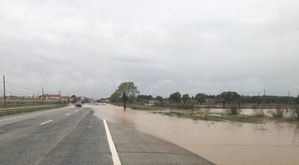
(114, 154)
(46, 122)
(67, 114)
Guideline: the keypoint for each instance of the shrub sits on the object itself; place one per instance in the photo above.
(297, 112)
(259, 112)
(234, 110)
(278, 113)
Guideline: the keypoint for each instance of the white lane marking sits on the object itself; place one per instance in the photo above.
(76, 110)
(46, 122)
(114, 154)
(67, 114)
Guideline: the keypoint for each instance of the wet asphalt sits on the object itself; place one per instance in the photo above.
(74, 136)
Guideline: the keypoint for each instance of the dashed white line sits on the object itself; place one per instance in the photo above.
(67, 114)
(46, 122)
(114, 154)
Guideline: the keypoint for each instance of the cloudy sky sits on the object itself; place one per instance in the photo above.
(89, 47)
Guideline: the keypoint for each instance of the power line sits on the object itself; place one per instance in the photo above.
(19, 86)
(14, 93)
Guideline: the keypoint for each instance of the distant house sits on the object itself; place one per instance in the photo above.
(65, 98)
(51, 97)
(105, 101)
(26, 97)
(11, 97)
(152, 102)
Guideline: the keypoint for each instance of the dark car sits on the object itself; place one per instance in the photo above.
(78, 104)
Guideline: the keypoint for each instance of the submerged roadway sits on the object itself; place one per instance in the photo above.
(72, 135)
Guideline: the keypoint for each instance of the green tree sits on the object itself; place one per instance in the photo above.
(230, 97)
(73, 98)
(159, 98)
(144, 98)
(115, 97)
(186, 98)
(175, 97)
(297, 100)
(200, 98)
(129, 88)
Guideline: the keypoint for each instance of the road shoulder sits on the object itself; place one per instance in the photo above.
(135, 147)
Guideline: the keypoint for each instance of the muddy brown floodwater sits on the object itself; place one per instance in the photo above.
(224, 143)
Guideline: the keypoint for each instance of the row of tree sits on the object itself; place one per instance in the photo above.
(227, 97)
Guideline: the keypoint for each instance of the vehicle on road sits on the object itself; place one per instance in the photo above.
(78, 104)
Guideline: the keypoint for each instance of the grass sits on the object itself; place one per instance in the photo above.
(243, 118)
(141, 107)
(11, 104)
(211, 117)
(144, 107)
(30, 109)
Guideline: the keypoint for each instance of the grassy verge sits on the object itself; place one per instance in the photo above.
(141, 107)
(211, 117)
(4, 112)
(11, 104)
(144, 107)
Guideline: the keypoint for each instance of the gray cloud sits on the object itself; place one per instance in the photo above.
(192, 46)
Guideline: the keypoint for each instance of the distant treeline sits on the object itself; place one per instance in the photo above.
(227, 97)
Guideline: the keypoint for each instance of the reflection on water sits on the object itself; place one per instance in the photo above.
(221, 142)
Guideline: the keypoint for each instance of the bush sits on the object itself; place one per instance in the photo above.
(234, 110)
(297, 112)
(259, 112)
(278, 113)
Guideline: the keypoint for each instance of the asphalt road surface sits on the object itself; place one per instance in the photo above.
(75, 136)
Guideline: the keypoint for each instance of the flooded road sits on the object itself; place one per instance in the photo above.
(223, 143)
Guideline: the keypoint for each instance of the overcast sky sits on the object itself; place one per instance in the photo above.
(89, 47)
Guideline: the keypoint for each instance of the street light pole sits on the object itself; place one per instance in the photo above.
(42, 95)
(4, 92)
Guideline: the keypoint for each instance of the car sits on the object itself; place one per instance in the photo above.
(78, 104)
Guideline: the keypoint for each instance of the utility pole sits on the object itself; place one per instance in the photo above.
(264, 92)
(259, 100)
(59, 95)
(37, 97)
(264, 97)
(42, 94)
(289, 101)
(4, 92)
